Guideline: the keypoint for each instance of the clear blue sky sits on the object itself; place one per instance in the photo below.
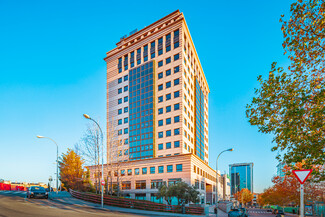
(52, 71)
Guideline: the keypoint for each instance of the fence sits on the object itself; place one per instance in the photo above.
(135, 204)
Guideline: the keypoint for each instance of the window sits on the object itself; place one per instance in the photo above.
(176, 57)
(160, 123)
(119, 122)
(119, 91)
(168, 96)
(122, 172)
(168, 145)
(169, 133)
(168, 60)
(119, 101)
(160, 75)
(129, 172)
(176, 69)
(126, 88)
(176, 45)
(144, 170)
(153, 49)
(160, 146)
(126, 130)
(160, 99)
(136, 171)
(176, 94)
(126, 141)
(126, 151)
(152, 170)
(132, 59)
(126, 109)
(145, 53)
(160, 111)
(168, 121)
(119, 80)
(176, 144)
(160, 134)
(176, 119)
(126, 98)
(176, 131)
(140, 184)
(176, 106)
(139, 56)
(169, 168)
(160, 63)
(168, 72)
(119, 66)
(196, 185)
(160, 46)
(202, 185)
(119, 111)
(176, 81)
(126, 185)
(126, 61)
(161, 169)
(156, 183)
(160, 87)
(168, 37)
(168, 84)
(179, 167)
(168, 109)
(126, 120)
(126, 77)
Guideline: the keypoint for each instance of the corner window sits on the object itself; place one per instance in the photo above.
(176, 81)
(176, 144)
(176, 131)
(176, 119)
(176, 69)
(176, 106)
(176, 94)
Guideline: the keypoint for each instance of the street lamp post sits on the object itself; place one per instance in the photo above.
(230, 149)
(57, 160)
(88, 117)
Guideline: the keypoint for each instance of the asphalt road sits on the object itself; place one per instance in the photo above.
(14, 204)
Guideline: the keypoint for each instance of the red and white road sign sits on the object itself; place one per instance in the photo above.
(103, 182)
(302, 175)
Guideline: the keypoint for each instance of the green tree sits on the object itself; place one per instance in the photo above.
(181, 190)
(290, 105)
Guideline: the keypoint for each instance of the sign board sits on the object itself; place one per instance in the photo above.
(103, 182)
(302, 175)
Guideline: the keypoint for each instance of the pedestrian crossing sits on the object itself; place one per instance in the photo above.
(253, 211)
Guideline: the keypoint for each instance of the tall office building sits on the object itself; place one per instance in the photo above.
(241, 176)
(157, 110)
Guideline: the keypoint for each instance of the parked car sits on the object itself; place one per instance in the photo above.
(244, 212)
(241, 212)
(269, 210)
(37, 192)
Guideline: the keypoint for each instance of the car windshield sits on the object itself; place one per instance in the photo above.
(36, 188)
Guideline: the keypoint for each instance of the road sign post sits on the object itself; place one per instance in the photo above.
(302, 176)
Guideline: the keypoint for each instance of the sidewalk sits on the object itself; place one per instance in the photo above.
(85, 204)
(220, 212)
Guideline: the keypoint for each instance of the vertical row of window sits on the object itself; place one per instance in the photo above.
(152, 51)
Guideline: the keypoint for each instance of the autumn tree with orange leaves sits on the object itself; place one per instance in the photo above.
(72, 173)
(244, 196)
(285, 190)
(290, 103)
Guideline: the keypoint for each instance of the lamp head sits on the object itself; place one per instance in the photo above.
(230, 149)
(40, 137)
(86, 116)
